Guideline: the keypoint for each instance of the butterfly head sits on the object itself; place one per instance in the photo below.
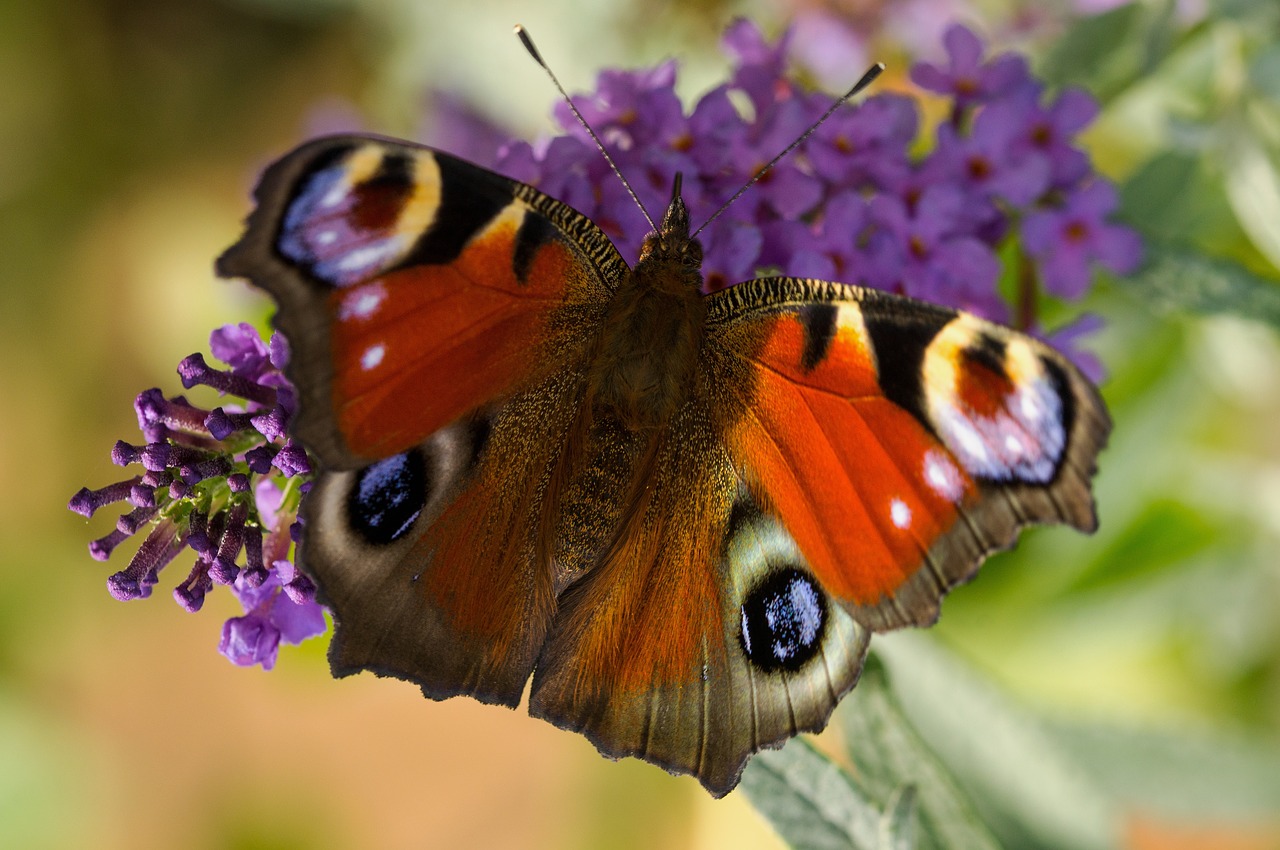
(671, 243)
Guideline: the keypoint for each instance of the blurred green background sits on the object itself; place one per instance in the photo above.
(131, 133)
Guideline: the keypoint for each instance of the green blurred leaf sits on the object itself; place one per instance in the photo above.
(1253, 187)
(886, 753)
(1165, 533)
(1025, 784)
(811, 802)
(1194, 774)
(40, 772)
(1264, 72)
(1262, 14)
(898, 823)
(1171, 196)
(1106, 53)
(1178, 278)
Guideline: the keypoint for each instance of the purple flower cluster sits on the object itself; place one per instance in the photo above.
(853, 203)
(222, 482)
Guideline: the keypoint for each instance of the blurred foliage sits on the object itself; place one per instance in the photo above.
(1120, 690)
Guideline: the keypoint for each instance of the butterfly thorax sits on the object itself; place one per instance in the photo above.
(647, 351)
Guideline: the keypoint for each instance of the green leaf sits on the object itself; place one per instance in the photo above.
(1026, 785)
(1181, 279)
(1193, 774)
(1106, 53)
(810, 800)
(1171, 196)
(1253, 187)
(886, 753)
(1164, 534)
(898, 823)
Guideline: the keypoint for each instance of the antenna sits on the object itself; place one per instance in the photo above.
(537, 57)
(866, 80)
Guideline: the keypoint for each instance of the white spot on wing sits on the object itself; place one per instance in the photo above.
(361, 303)
(372, 356)
(942, 476)
(900, 513)
(375, 255)
(335, 195)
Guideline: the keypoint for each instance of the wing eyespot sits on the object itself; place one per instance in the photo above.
(387, 497)
(784, 617)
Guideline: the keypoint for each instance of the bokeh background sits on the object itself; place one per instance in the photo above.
(130, 133)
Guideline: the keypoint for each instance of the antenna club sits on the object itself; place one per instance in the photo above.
(523, 35)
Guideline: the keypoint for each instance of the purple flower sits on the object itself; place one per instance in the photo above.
(1047, 131)
(271, 615)
(826, 249)
(987, 164)
(214, 480)
(240, 347)
(1067, 240)
(866, 146)
(455, 126)
(761, 68)
(966, 78)
(249, 640)
(629, 109)
(925, 253)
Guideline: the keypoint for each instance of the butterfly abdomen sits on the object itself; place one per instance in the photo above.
(647, 349)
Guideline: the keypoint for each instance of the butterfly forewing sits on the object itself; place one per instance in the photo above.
(415, 288)
(900, 442)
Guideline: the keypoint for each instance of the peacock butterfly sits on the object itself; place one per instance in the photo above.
(681, 514)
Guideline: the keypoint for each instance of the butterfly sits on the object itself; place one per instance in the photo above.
(681, 515)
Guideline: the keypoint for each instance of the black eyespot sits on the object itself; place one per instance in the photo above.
(387, 497)
(783, 618)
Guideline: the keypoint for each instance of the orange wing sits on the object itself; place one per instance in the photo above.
(414, 288)
(697, 636)
(439, 316)
(900, 442)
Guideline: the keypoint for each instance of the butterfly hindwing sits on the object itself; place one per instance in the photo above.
(900, 442)
(700, 635)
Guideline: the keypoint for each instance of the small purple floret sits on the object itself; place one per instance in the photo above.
(292, 460)
(222, 424)
(195, 371)
(142, 496)
(86, 501)
(250, 640)
(191, 593)
(259, 458)
(123, 454)
(194, 473)
(272, 423)
(240, 347)
(101, 549)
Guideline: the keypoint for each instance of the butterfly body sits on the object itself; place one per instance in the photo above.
(652, 329)
(681, 515)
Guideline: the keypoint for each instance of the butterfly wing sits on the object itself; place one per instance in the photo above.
(847, 457)
(438, 316)
(414, 288)
(899, 442)
(699, 634)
